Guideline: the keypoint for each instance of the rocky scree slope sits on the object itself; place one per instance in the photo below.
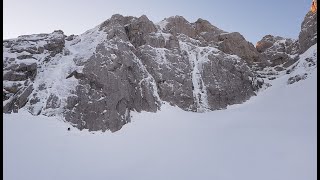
(94, 80)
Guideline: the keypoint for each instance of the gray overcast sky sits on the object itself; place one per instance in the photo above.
(252, 18)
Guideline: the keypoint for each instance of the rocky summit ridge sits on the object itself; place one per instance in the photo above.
(95, 79)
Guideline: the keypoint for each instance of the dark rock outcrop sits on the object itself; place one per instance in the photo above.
(138, 30)
(297, 78)
(278, 51)
(18, 100)
(308, 33)
(235, 43)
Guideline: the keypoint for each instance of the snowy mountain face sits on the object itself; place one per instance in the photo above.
(279, 52)
(94, 80)
(270, 136)
(284, 54)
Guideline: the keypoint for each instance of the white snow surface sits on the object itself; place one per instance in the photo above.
(270, 137)
(162, 24)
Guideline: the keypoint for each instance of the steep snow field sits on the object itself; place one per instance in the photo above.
(270, 137)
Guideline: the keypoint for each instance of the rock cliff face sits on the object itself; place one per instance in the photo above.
(278, 51)
(283, 52)
(308, 34)
(94, 80)
(21, 65)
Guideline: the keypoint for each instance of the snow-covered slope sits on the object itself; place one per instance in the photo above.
(271, 136)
